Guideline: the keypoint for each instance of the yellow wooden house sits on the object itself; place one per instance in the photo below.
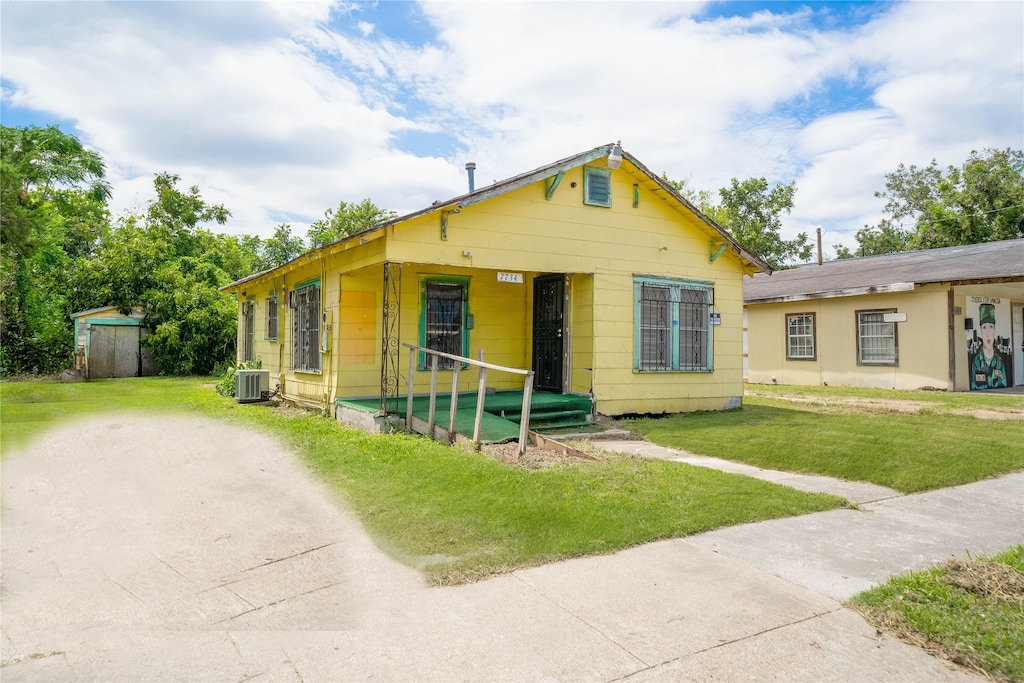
(591, 271)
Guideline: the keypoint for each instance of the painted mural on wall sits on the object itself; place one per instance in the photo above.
(989, 352)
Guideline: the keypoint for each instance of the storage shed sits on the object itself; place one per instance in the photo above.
(107, 344)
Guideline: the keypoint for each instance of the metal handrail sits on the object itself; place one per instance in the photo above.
(524, 424)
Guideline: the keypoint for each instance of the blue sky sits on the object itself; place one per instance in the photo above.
(279, 111)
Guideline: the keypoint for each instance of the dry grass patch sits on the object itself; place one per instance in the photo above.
(968, 612)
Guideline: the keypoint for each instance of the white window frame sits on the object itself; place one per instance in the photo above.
(872, 335)
(801, 336)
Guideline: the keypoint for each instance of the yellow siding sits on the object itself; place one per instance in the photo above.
(599, 249)
(581, 337)
(500, 317)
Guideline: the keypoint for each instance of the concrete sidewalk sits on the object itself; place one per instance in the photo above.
(843, 552)
(183, 549)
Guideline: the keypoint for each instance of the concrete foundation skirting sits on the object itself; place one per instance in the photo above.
(353, 417)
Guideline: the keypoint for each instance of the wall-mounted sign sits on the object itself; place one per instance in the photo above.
(894, 317)
(716, 318)
(510, 277)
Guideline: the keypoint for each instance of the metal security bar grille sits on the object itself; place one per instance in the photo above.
(444, 318)
(272, 318)
(655, 328)
(248, 330)
(876, 339)
(391, 322)
(306, 357)
(800, 336)
(673, 327)
(694, 317)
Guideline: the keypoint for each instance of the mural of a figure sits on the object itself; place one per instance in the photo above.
(988, 370)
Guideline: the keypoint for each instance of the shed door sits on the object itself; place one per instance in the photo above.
(101, 352)
(113, 351)
(548, 331)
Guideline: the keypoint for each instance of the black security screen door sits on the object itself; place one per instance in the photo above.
(548, 325)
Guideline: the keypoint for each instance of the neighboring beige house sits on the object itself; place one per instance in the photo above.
(949, 318)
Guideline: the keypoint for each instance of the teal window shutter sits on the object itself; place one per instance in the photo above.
(597, 187)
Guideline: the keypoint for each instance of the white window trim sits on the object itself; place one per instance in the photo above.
(812, 336)
(895, 359)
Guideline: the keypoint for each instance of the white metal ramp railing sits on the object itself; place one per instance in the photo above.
(524, 425)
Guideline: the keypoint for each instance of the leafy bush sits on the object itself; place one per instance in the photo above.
(226, 384)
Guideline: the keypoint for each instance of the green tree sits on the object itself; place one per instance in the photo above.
(281, 247)
(884, 238)
(753, 214)
(36, 163)
(347, 219)
(165, 261)
(980, 201)
(52, 210)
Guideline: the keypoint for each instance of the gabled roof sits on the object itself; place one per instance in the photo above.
(967, 264)
(630, 164)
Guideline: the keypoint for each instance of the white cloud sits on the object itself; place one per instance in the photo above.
(275, 111)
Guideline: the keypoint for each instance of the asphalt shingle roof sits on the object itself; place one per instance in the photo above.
(989, 261)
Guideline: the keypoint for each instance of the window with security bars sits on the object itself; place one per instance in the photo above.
(800, 336)
(306, 350)
(444, 320)
(876, 339)
(248, 330)
(272, 318)
(673, 325)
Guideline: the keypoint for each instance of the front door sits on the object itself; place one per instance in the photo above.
(548, 330)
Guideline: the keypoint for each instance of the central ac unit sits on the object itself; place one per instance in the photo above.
(252, 385)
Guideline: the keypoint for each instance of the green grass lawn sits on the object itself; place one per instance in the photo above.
(456, 515)
(969, 612)
(906, 452)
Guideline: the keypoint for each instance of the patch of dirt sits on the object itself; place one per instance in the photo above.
(889, 406)
(993, 580)
(537, 458)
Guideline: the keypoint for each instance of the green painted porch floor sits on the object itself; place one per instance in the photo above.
(547, 410)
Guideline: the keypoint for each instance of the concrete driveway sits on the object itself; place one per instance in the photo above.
(139, 548)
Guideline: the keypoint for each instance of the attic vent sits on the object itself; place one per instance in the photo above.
(597, 187)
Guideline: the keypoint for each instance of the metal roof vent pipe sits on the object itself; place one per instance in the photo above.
(470, 167)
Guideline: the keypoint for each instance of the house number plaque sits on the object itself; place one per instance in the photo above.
(510, 277)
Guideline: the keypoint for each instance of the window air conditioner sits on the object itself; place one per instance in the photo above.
(252, 385)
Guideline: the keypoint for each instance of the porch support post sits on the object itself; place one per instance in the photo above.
(524, 421)
(481, 394)
(408, 399)
(455, 404)
(433, 395)
(390, 347)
